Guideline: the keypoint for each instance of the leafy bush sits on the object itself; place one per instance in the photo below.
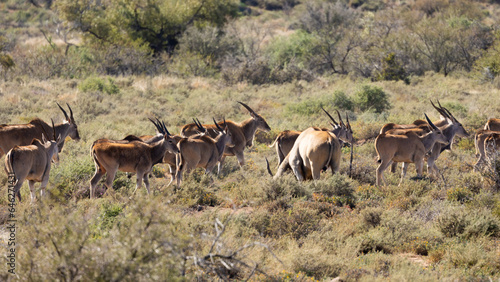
(342, 101)
(452, 223)
(392, 70)
(284, 188)
(338, 186)
(195, 190)
(482, 224)
(460, 194)
(371, 217)
(296, 222)
(99, 84)
(306, 108)
(372, 98)
(296, 47)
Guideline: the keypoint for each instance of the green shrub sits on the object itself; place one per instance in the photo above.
(296, 47)
(372, 98)
(337, 189)
(106, 219)
(460, 194)
(482, 224)
(195, 190)
(99, 84)
(296, 222)
(392, 70)
(284, 187)
(342, 101)
(71, 179)
(306, 108)
(452, 223)
(371, 217)
(458, 109)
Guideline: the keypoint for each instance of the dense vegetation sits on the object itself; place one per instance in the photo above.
(379, 61)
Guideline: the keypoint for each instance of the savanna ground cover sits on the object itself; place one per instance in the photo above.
(338, 226)
(243, 224)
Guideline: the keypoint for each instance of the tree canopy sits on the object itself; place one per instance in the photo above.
(157, 24)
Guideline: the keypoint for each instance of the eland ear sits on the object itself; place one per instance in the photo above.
(58, 139)
(44, 139)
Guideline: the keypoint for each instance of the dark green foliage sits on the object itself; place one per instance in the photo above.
(296, 222)
(392, 70)
(452, 223)
(342, 101)
(99, 84)
(372, 98)
(158, 24)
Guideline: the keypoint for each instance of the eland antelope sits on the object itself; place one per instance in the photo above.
(492, 146)
(406, 148)
(450, 126)
(32, 162)
(285, 139)
(315, 150)
(492, 124)
(479, 142)
(22, 134)
(242, 133)
(133, 156)
(203, 151)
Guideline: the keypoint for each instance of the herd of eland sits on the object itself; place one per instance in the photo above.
(31, 148)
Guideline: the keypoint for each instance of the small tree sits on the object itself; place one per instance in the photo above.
(156, 23)
(372, 98)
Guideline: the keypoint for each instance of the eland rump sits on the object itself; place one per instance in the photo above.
(315, 150)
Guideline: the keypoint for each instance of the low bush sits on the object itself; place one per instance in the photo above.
(296, 222)
(372, 98)
(98, 84)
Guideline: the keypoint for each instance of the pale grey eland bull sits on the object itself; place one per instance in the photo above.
(242, 133)
(22, 134)
(32, 163)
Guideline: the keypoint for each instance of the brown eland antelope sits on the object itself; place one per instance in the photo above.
(203, 151)
(479, 142)
(22, 134)
(170, 159)
(285, 140)
(32, 162)
(133, 156)
(492, 146)
(492, 124)
(447, 123)
(419, 123)
(450, 129)
(406, 148)
(242, 133)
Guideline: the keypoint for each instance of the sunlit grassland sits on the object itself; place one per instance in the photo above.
(339, 226)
